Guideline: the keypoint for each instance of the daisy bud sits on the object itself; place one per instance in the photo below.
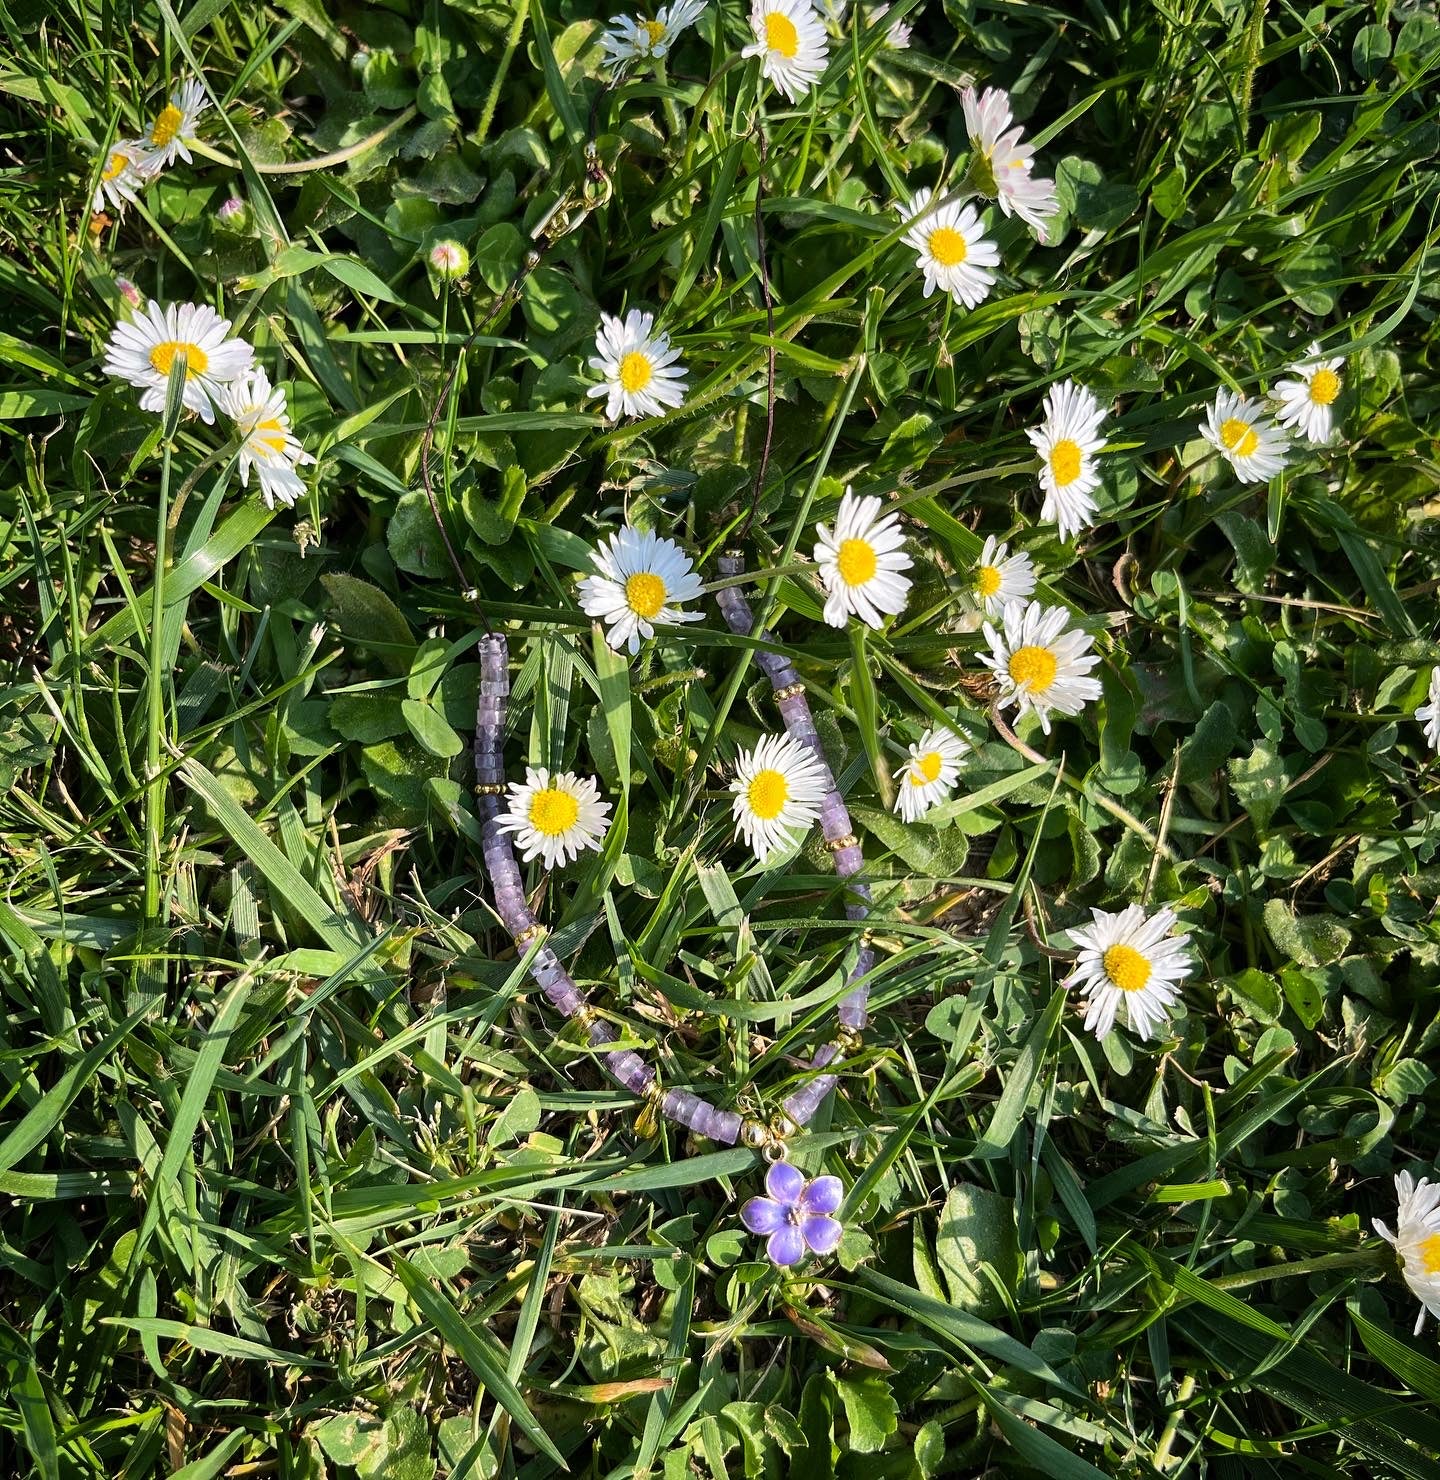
(449, 260)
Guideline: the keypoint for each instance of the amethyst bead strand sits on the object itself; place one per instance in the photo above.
(627, 1067)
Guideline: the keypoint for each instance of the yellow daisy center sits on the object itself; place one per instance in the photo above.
(645, 594)
(197, 362)
(117, 165)
(1239, 436)
(1126, 968)
(767, 794)
(553, 812)
(1034, 666)
(655, 31)
(1429, 1252)
(781, 35)
(1065, 459)
(1324, 387)
(274, 434)
(926, 768)
(987, 580)
(947, 246)
(636, 371)
(856, 562)
(166, 126)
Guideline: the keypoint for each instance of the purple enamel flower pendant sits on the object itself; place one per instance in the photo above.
(795, 1217)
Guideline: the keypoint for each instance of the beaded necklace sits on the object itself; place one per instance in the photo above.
(787, 1214)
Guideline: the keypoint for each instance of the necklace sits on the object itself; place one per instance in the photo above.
(795, 1215)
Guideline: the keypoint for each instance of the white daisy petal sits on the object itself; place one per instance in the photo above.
(1001, 578)
(174, 126)
(554, 815)
(1002, 168)
(129, 167)
(860, 561)
(630, 38)
(1417, 1241)
(143, 350)
(930, 774)
(1429, 714)
(1246, 437)
(790, 42)
(1128, 961)
(778, 788)
(640, 376)
(1041, 665)
(642, 580)
(951, 248)
(267, 444)
(1307, 402)
(1067, 441)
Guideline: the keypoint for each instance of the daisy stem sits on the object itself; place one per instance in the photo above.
(154, 775)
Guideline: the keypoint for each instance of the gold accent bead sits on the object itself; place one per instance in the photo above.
(531, 932)
(734, 554)
(754, 1133)
(849, 1040)
(783, 1126)
(655, 1092)
(790, 691)
(489, 788)
(585, 1015)
(835, 845)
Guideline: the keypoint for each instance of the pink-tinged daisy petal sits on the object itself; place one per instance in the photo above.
(822, 1234)
(761, 1215)
(784, 1183)
(786, 1246)
(822, 1197)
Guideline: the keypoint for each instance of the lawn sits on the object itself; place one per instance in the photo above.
(380, 1102)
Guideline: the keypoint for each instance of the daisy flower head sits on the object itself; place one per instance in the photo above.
(1429, 714)
(1001, 577)
(1417, 1241)
(129, 167)
(143, 350)
(1040, 661)
(778, 788)
(1127, 960)
(790, 42)
(1002, 168)
(1245, 436)
(1307, 401)
(555, 815)
(931, 772)
(642, 579)
(1067, 441)
(638, 366)
(952, 249)
(860, 561)
(174, 126)
(897, 34)
(630, 38)
(267, 444)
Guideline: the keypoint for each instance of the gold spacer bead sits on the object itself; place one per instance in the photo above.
(655, 1092)
(754, 1133)
(836, 844)
(489, 788)
(585, 1015)
(734, 554)
(850, 1041)
(790, 691)
(529, 933)
(783, 1126)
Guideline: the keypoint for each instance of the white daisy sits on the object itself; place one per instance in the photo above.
(930, 773)
(1128, 959)
(860, 561)
(1306, 403)
(174, 127)
(641, 376)
(1001, 577)
(267, 443)
(953, 251)
(790, 42)
(643, 579)
(1417, 1241)
(1067, 441)
(1002, 166)
(129, 167)
(897, 37)
(1244, 433)
(555, 815)
(1040, 661)
(778, 786)
(142, 351)
(1429, 714)
(631, 38)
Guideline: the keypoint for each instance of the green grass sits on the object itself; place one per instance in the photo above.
(297, 1181)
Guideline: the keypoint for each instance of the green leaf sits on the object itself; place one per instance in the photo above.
(429, 727)
(367, 616)
(870, 1411)
(977, 1227)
